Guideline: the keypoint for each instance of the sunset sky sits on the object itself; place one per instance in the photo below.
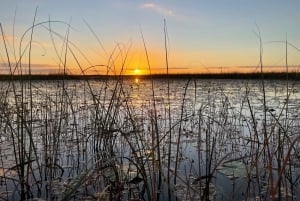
(202, 35)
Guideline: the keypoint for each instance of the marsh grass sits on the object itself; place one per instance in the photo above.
(87, 139)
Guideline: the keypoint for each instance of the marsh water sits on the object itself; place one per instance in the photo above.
(133, 139)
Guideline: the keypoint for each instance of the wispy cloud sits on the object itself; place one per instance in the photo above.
(159, 9)
(36, 65)
(35, 68)
(8, 37)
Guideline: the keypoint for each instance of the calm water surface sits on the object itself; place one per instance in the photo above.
(215, 130)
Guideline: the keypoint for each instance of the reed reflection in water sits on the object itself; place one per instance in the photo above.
(124, 139)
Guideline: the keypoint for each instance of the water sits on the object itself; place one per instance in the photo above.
(224, 139)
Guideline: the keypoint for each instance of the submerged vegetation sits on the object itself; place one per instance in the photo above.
(108, 139)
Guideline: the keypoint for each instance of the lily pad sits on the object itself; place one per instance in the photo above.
(233, 169)
(126, 172)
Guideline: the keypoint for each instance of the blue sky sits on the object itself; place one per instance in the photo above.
(203, 35)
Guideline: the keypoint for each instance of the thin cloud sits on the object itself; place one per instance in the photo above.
(37, 65)
(36, 68)
(159, 9)
(8, 37)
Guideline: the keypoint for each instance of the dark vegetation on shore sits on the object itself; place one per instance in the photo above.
(269, 75)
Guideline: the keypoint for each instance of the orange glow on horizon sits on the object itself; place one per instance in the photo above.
(187, 70)
(136, 64)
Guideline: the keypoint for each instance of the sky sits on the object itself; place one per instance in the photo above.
(141, 37)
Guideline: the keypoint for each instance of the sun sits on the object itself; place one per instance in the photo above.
(137, 71)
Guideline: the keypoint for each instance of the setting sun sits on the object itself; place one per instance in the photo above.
(137, 71)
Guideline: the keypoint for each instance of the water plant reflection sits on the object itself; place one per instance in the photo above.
(92, 143)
